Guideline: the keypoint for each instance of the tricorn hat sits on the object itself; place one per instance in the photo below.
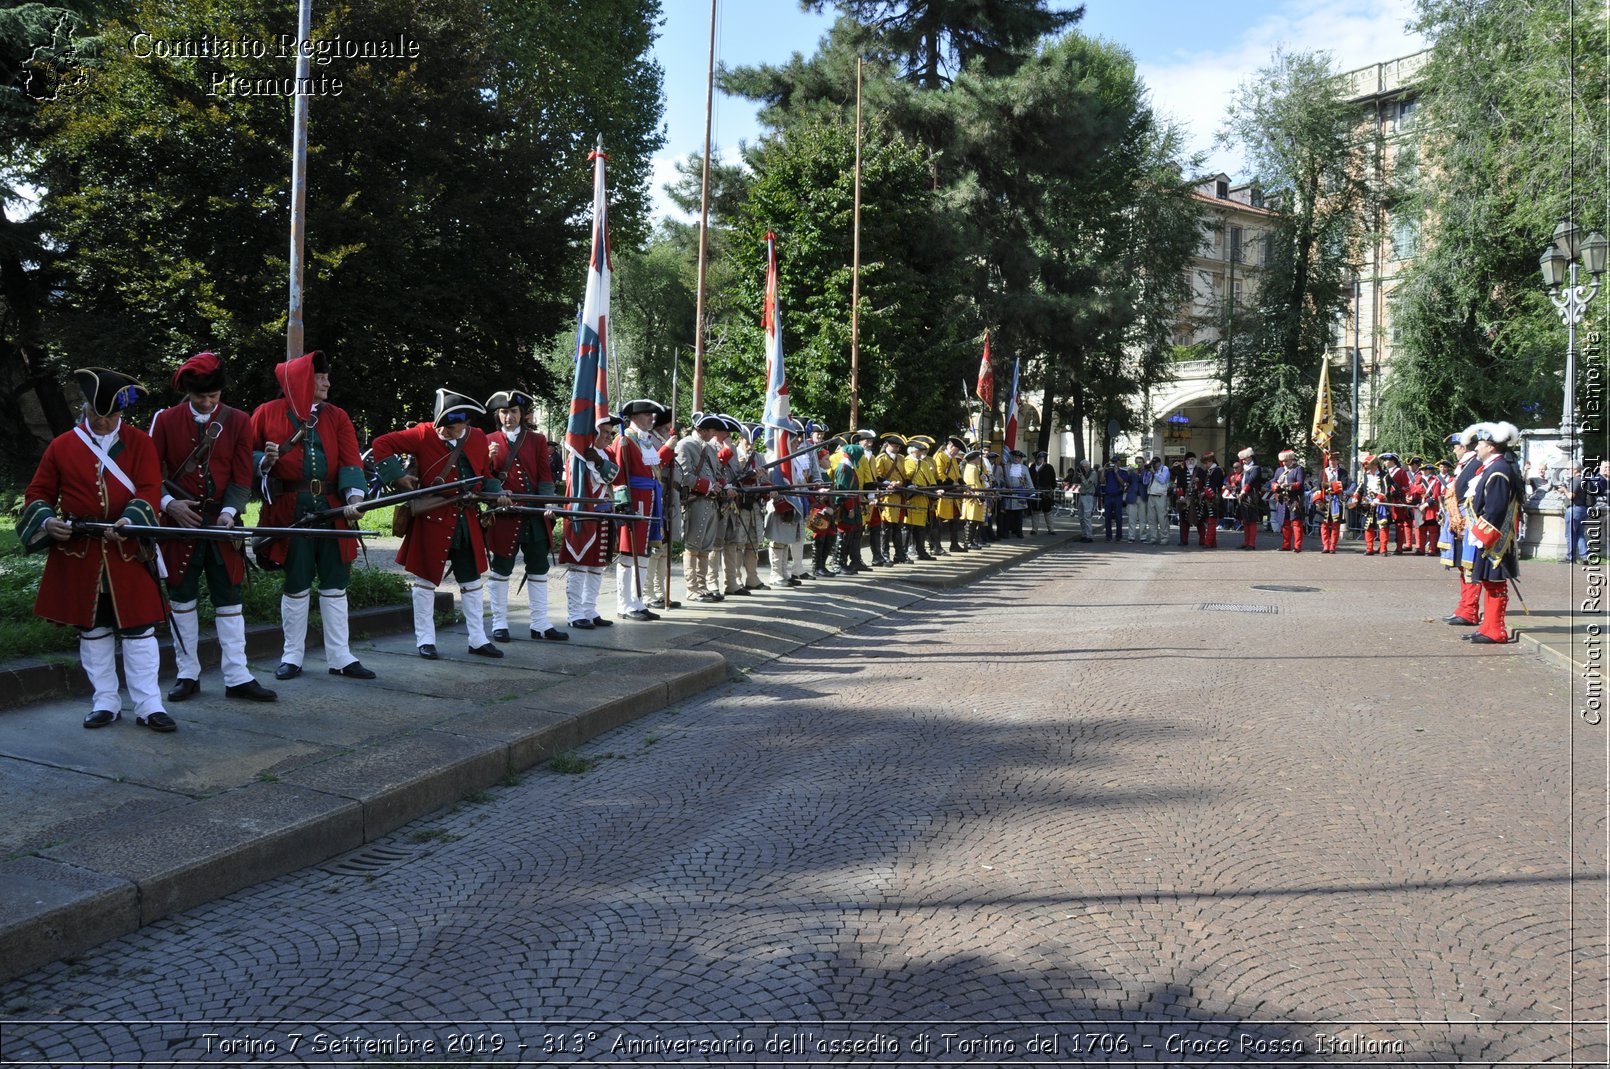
(108, 391)
(707, 421)
(891, 436)
(455, 407)
(510, 399)
(1503, 435)
(866, 434)
(957, 441)
(640, 406)
(1393, 457)
(919, 442)
(202, 373)
(730, 425)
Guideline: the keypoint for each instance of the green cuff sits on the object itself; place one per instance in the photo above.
(351, 478)
(31, 526)
(390, 470)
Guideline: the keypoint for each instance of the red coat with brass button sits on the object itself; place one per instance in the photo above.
(528, 472)
(225, 477)
(69, 485)
(429, 540)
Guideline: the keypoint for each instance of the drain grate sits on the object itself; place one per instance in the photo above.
(371, 860)
(1230, 606)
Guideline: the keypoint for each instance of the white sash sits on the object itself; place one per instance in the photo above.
(107, 463)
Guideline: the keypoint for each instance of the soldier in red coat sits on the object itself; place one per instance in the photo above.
(106, 470)
(636, 454)
(519, 457)
(205, 449)
(446, 531)
(584, 550)
(307, 455)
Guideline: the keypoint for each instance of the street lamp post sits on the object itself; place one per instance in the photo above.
(1567, 252)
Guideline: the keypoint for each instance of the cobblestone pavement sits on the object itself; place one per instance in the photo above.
(1106, 806)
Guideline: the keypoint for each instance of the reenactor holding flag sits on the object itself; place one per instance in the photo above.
(103, 469)
(307, 454)
(205, 450)
(443, 531)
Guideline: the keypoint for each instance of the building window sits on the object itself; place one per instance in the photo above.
(1222, 188)
(1256, 197)
(1235, 244)
(1405, 238)
(1406, 110)
(1236, 296)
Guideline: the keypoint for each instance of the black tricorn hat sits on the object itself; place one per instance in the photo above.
(641, 405)
(450, 404)
(510, 399)
(108, 391)
(708, 421)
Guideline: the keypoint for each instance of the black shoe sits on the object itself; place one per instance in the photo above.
(101, 717)
(501, 634)
(355, 670)
(1082, 538)
(661, 603)
(582, 625)
(599, 621)
(287, 670)
(182, 689)
(925, 556)
(251, 690)
(820, 573)
(1458, 621)
(487, 650)
(640, 615)
(706, 598)
(160, 722)
(807, 575)
(794, 582)
(758, 586)
(428, 651)
(718, 597)
(1480, 639)
(552, 634)
(741, 592)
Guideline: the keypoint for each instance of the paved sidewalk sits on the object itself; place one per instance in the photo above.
(110, 830)
(1147, 805)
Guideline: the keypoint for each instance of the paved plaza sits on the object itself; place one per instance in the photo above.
(1115, 804)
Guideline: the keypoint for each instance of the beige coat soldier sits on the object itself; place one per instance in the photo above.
(699, 484)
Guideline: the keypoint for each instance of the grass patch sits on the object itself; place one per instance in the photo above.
(434, 835)
(572, 764)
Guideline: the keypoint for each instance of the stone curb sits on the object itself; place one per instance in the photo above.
(34, 679)
(72, 896)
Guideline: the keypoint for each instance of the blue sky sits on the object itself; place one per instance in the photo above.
(1191, 54)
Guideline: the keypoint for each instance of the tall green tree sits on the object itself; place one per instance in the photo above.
(1303, 145)
(916, 328)
(935, 40)
(447, 192)
(44, 49)
(1500, 160)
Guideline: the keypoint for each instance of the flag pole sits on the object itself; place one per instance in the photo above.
(855, 268)
(294, 326)
(704, 222)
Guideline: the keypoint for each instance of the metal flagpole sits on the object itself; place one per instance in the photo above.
(293, 328)
(704, 222)
(855, 268)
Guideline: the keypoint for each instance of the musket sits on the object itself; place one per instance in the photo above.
(87, 528)
(324, 515)
(547, 499)
(565, 514)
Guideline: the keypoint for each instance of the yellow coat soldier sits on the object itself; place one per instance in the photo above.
(889, 474)
(919, 474)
